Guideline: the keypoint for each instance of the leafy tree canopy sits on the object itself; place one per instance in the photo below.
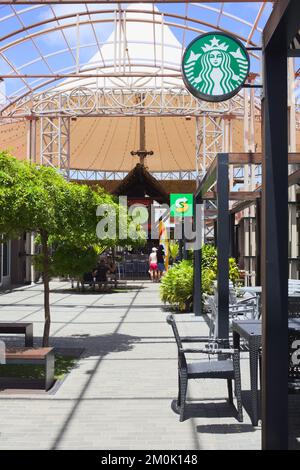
(38, 199)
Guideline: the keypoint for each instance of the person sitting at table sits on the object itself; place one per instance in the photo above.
(111, 265)
(112, 269)
(100, 273)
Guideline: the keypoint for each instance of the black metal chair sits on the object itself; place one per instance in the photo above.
(228, 367)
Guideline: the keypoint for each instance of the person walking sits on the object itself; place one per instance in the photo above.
(160, 261)
(153, 265)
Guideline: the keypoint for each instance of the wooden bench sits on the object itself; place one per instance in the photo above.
(19, 328)
(33, 356)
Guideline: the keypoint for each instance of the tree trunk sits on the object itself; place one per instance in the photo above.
(45, 252)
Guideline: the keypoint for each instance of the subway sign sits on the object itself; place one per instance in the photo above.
(181, 205)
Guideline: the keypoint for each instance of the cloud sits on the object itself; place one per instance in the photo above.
(55, 40)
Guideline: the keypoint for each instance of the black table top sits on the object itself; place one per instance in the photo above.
(247, 328)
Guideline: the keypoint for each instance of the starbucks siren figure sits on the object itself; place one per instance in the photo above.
(214, 62)
(216, 76)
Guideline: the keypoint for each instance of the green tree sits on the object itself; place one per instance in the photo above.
(68, 259)
(38, 199)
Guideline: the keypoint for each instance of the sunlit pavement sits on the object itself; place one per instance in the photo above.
(119, 395)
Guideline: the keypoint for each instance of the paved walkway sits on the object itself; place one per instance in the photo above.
(119, 395)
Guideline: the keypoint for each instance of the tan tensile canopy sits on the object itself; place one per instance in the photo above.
(105, 143)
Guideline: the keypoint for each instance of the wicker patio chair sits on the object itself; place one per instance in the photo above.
(238, 311)
(294, 307)
(228, 367)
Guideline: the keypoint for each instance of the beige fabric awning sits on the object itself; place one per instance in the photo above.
(105, 143)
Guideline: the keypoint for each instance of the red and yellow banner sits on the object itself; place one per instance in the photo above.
(163, 240)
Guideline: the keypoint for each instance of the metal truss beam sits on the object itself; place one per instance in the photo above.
(83, 101)
(107, 2)
(55, 143)
(209, 141)
(98, 175)
(91, 20)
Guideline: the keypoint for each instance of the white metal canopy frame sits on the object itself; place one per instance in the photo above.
(141, 56)
(59, 62)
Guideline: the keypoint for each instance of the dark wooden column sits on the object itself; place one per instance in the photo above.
(275, 245)
(184, 242)
(258, 242)
(197, 294)
(216, 232)
(181, 240)
(223, 245)
(232, 236)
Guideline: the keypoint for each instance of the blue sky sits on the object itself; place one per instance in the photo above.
(50, 43)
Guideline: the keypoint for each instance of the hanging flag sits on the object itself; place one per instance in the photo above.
(163, 240)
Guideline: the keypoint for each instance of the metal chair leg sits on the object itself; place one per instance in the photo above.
(238, 385)
(183, 389)
(179, 392)
(229, 387)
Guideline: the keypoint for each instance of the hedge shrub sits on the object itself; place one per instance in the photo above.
(177, 285)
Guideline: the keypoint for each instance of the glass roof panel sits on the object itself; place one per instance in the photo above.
(63, 39)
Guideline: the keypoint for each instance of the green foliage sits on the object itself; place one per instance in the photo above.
(208, 277)
(38, 199)
(70, 260)
(63, 365)
(177, 284)
(209, 257)
(174, 249)
(73, 260)
(234, 273)
(210, 267)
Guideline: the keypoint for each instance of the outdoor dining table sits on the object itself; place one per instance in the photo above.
(251, 331)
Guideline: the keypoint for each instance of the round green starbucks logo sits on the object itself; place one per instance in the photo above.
(215, 66)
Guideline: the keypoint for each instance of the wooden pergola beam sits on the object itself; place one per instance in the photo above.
(241, 158)
(241, 206)
(293, 178)
(208, 180)
(275, 20)
(244, 158)
(235, 195)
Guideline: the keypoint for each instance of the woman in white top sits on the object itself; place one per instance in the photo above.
(153, 264)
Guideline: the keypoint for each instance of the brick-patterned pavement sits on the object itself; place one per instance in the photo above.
(119, 395)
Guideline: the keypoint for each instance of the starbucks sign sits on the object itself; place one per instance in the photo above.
(215, 66)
